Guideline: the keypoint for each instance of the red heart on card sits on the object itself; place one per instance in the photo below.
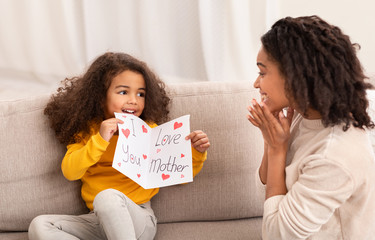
(126, 132)
(182, 176)
(144, 156)
(158, 150)
(119, 164)
(138, 175)
(124, 116)
(182, 155)
(165, 176)
(144, 129)
(177, 125)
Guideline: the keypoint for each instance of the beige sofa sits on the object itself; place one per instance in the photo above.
(221, 203)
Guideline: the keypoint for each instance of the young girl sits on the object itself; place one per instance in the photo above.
(318, 166)
(82, 115)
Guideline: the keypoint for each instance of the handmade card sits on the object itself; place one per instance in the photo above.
(154, 157)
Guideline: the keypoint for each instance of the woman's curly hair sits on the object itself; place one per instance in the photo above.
(80, 102)
(321, 69)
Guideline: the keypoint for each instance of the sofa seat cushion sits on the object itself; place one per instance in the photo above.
(250, 229)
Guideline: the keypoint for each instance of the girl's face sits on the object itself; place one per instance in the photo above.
(126, 94)
(270, 83)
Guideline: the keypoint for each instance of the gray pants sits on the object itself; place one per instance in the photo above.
(115, 216)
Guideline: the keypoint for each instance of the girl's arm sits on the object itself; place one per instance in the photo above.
(80, 156)
(198, 160)
(200, 143)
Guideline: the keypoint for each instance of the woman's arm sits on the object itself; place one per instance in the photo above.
(276, 172)
(276, 133)
(264, 166)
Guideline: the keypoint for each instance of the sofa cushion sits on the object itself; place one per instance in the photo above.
(31, 182)
(225, 188)
(250, 229)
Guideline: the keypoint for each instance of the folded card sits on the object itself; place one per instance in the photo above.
(154, 157)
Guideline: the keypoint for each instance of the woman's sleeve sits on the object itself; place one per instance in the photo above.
(321, 188)
(80, 156)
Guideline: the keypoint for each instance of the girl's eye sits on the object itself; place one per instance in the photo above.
(261, 74)
(123, 92)
(141, 94)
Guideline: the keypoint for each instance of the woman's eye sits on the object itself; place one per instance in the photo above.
(261, 74)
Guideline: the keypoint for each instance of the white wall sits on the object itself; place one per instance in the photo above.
(44, 41)
(355, 18)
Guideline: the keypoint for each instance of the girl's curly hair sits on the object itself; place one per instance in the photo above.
(321, 69)
(80, 102)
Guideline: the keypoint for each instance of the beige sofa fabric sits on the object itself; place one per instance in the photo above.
(224, 189)
(221, 202)
(31, 180)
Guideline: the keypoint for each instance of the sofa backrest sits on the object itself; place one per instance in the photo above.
(225, 188)
(31, 182)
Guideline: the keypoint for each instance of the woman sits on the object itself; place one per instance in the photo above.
(318, 165)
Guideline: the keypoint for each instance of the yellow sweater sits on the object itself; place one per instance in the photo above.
(91, 161)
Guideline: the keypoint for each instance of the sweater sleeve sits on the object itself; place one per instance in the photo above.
(321, 188)
(198, 160)
(80, 156)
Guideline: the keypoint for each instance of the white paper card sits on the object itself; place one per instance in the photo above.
(154, 157)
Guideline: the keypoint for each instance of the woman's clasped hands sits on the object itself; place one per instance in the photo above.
(275, 127)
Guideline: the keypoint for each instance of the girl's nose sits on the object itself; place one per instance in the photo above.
(132, 99)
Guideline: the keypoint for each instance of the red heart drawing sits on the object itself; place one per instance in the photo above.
(158, 150)
(138, 175)
(119, 164)
(182, 155)
(126, 132)
(165, 176)
(177, 125)
(144, 129)
(144, 156)
(182, 176)
(124, 116)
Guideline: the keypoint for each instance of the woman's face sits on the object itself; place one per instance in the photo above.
(270, 83)
(126, 94)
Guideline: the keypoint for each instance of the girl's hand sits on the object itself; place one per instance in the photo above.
(199, 140)
(109, 127)
(275, 127)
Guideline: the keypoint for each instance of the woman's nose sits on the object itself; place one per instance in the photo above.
(256, 83)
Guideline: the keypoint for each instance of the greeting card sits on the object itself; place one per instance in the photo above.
(154, 157)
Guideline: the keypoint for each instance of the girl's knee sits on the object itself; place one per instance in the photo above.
(109, 198)
(36, 226)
